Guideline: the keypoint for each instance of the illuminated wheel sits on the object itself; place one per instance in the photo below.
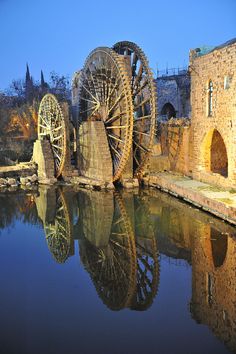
(144, 103)
(104, 95)
(51, 125)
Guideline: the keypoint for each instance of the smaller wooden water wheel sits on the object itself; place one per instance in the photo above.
(59, 233)
(144, 102)
(51, 125)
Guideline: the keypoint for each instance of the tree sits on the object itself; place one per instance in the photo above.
(59, 86)
(17, 88)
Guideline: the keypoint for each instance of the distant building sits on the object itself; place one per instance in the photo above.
(33, 90)
(173, 92)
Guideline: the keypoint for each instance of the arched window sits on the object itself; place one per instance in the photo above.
(210, 98)
(168, 111)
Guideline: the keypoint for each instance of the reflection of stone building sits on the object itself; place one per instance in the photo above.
(171, 219)
(186, 233)
(214, 283)
(173, 95)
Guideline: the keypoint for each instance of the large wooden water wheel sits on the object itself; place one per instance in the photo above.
(144, 102)
(51, 125)
(105, 95)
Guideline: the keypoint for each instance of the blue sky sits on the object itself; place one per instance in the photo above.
(59, 34)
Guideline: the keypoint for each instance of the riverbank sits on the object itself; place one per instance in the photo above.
(215, 200)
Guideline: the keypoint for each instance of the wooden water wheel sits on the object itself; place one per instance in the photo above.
(105, 95)
(144, 103)
(51, 125)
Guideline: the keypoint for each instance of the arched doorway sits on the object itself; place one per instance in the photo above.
(219, 159)
(214, 153)
(168, 111)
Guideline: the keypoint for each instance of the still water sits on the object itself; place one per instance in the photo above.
(102, 272)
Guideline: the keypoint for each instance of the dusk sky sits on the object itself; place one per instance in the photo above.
(58, 35)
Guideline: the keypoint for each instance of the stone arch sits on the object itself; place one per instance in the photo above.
(214, 154)
(168, 110)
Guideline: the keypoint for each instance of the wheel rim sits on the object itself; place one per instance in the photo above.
(104, 95)
(51, 125)
(144, 103)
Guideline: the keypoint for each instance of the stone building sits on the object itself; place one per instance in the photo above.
(213, 117)
(204, 146)
(173, 92)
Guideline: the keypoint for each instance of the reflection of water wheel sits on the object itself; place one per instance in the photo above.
(144, 102)
(148, 270)
(104, 95)
(51, 124)
(59, 233)
(113, 267)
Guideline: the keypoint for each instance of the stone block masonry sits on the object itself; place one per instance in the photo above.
(94, 158)
(213, 125)
(43, 157)
(204, 147)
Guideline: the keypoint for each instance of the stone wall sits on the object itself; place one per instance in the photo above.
(175, 143)
(94, 158)
(214, 145)
(43, 157)
(206, 148)
(173, 151)
(174, 90)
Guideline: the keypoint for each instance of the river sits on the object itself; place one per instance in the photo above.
(120, 272)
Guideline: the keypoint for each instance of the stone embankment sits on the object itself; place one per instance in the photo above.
(215, 200)
(23, 174)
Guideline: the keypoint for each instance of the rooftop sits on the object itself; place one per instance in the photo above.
(208, 49)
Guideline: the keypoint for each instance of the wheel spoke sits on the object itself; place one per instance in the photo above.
(115, 117)
(117, 127)
(141, 103)
(140, 146)
(140, 132)
(113, 136)
(142, 117)
(119, 98)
